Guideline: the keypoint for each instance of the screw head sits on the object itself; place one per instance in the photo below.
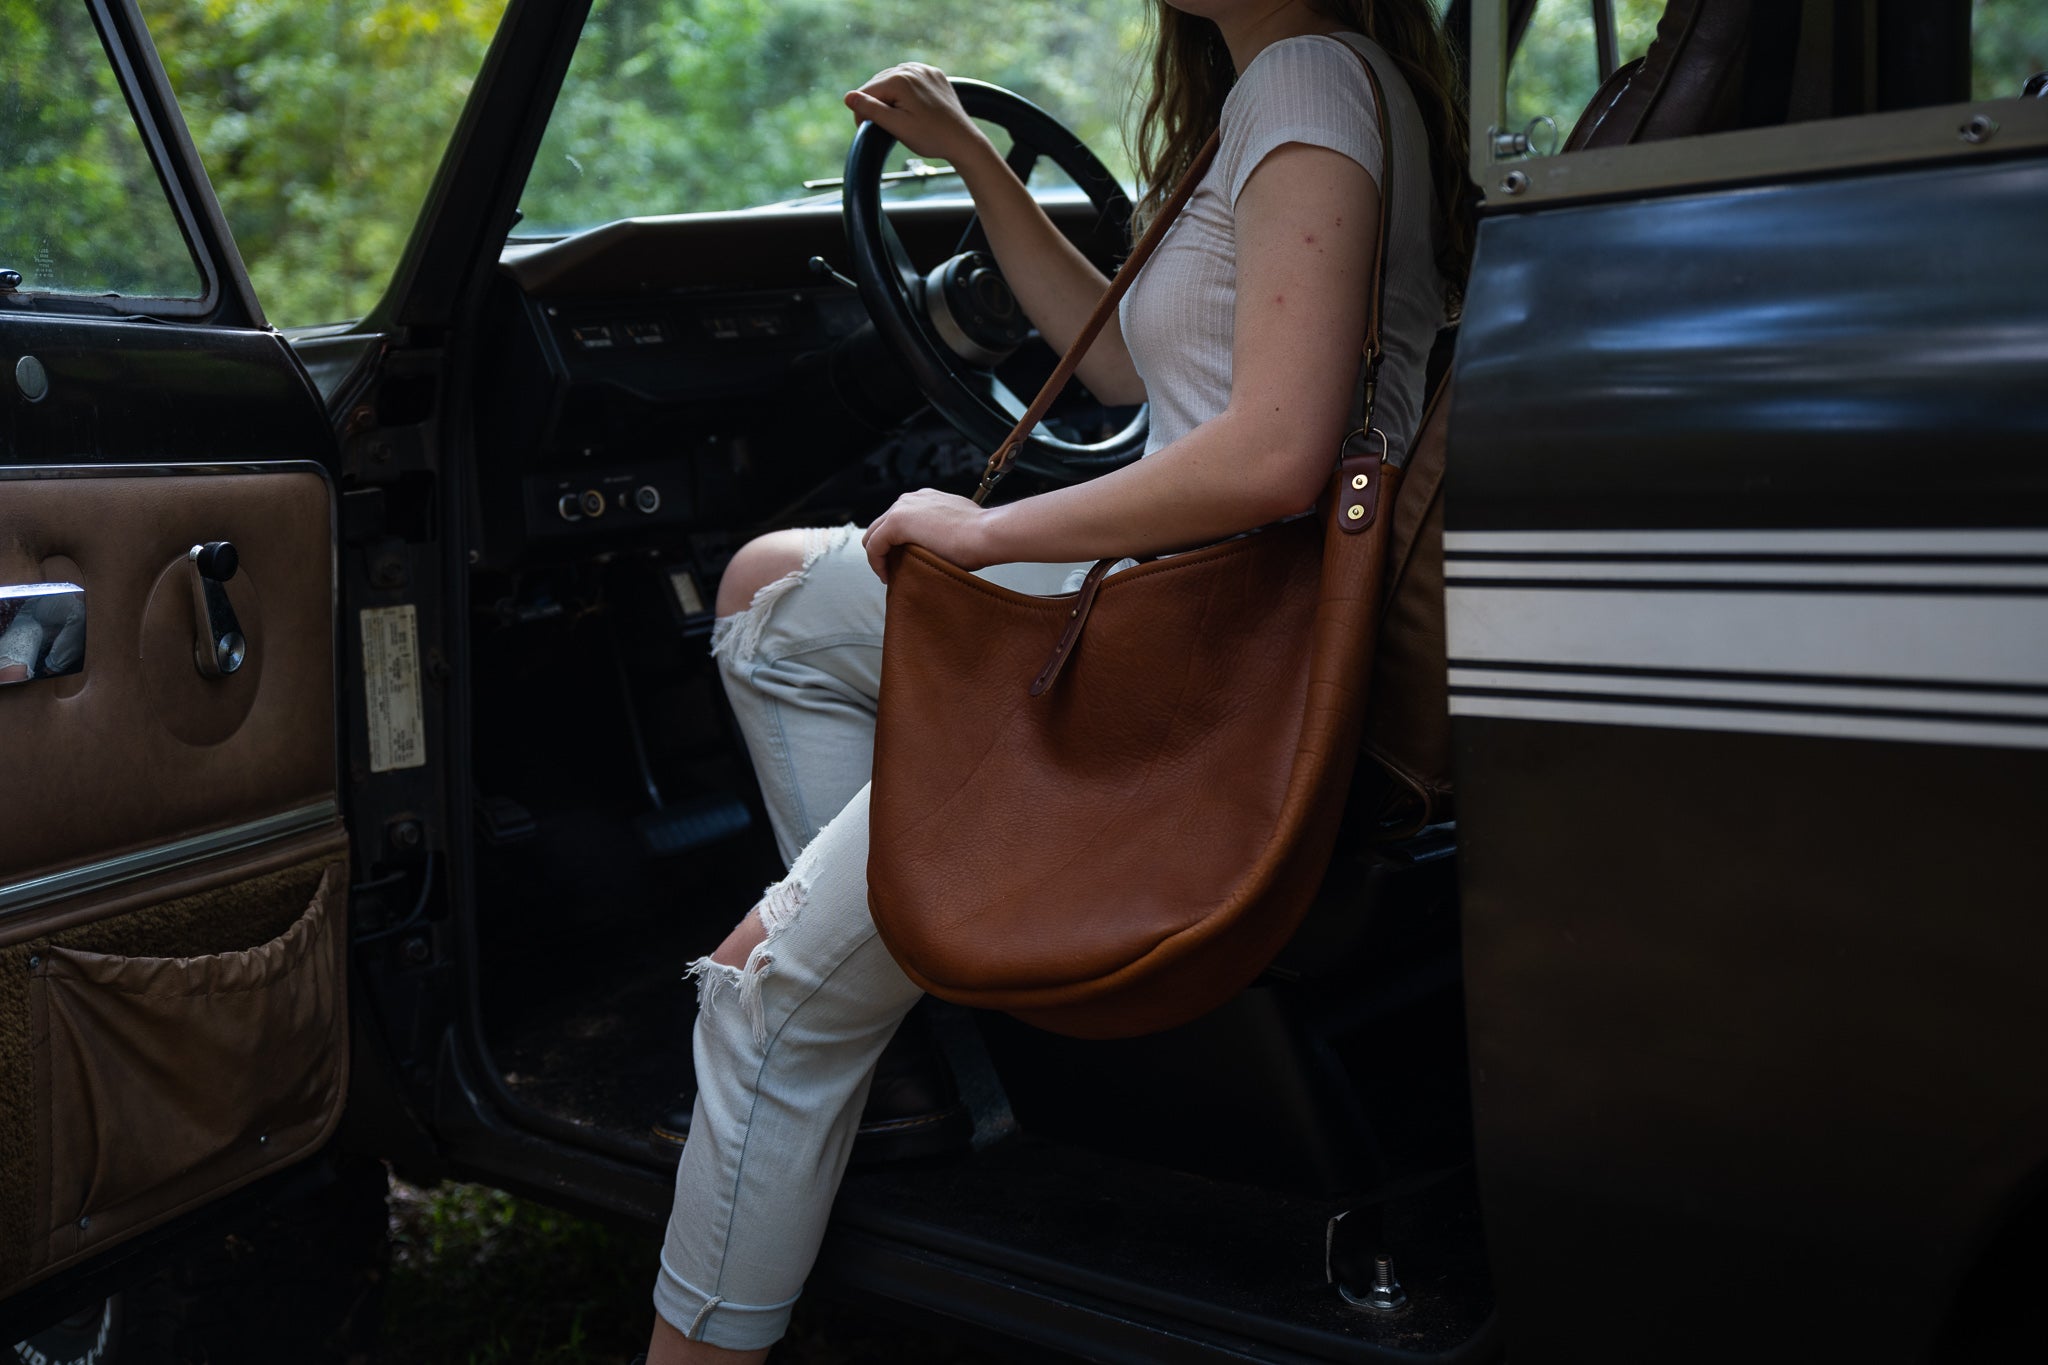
(32, 379)
(1514, 182)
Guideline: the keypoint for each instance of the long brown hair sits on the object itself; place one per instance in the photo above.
(1191, 73)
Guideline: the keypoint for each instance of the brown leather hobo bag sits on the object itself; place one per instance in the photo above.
(1104, 813)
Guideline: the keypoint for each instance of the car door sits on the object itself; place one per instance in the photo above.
(173, 860)
(1746, 554)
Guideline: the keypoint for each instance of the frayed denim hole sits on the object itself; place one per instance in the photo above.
(777, 907)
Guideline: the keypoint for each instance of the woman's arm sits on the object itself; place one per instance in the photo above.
(1051, 278)
(1307, 223)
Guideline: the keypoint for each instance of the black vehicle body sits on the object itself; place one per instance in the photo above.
(1713, 1029)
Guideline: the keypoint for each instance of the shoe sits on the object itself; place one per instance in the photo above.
(913, 1108)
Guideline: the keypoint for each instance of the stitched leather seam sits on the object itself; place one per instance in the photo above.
(1192, 559)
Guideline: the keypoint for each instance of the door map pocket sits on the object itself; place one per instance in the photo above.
(162, 1081)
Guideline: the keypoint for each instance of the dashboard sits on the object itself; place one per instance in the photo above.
(659, 376)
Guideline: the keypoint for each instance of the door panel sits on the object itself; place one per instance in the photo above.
(173, 870)
(1747, 597)
(142, 751)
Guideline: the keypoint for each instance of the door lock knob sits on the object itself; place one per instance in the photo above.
(219, 648)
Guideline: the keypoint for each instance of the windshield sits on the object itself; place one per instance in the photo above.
(687, 106)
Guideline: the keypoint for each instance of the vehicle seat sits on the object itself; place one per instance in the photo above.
(1714, 65)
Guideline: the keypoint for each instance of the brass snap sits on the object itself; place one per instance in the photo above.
(1358, 480)
(1354, 512)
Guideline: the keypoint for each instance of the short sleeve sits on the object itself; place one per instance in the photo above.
(1310, 89)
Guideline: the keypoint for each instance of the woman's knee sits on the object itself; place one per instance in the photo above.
(761, 561)
(741, 942)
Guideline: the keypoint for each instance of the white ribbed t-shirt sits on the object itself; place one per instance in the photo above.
(1178, 317)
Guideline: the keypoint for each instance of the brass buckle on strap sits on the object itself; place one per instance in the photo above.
(990, 477)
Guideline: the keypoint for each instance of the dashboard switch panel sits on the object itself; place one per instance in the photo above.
(601, 507)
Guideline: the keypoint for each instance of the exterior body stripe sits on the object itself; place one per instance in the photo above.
(1929, 637)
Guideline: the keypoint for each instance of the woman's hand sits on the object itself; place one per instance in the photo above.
(947, 524)
(915, 103)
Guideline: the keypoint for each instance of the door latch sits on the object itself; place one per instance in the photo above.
(220, 648)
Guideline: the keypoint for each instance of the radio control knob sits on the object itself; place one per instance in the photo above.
(647, 498)
(593, 503)
(570, 506)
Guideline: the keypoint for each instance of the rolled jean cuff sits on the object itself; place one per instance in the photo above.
(716, 1321)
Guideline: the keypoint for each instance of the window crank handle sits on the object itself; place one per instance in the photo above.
(219, 649)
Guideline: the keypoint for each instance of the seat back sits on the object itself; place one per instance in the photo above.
(1714, 65)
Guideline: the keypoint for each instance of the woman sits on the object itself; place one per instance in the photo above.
(1243, 333)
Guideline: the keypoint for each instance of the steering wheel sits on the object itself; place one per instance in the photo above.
(952, 326)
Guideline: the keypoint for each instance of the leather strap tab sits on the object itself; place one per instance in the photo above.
(1361, 474)
(1084, 602)
(1359, 480)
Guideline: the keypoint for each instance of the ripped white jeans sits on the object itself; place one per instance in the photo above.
(785, 1045)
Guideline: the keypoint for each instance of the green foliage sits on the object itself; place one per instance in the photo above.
(690, 105)
(84, 211)
(2008, 43)
(1556, 68)
(480, 1277)
(321, 123)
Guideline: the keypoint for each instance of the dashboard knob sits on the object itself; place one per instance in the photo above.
(592, 503)
(647, 498)
(570, 506)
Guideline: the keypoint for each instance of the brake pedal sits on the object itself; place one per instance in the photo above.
(689, 825)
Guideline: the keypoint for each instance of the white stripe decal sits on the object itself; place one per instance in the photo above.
(1875, 544)
(1757, 722)
(1907, 575)
(1999, 641)
(1847, 697)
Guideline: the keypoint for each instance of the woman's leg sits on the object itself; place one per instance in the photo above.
(802, 664)
(786, 1043)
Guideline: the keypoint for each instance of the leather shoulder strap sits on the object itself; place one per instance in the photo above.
(999, 462)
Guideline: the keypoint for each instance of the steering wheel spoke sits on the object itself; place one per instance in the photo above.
(989, 387)
(1022, 159)
(907, 274)
(973, 398)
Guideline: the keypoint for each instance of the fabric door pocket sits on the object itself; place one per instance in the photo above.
(162, 1081)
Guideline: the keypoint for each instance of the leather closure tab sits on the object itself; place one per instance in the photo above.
(1358, 491)
(1084, 602)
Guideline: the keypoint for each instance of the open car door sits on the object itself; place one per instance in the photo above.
(1746, 567)
(173, 862)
